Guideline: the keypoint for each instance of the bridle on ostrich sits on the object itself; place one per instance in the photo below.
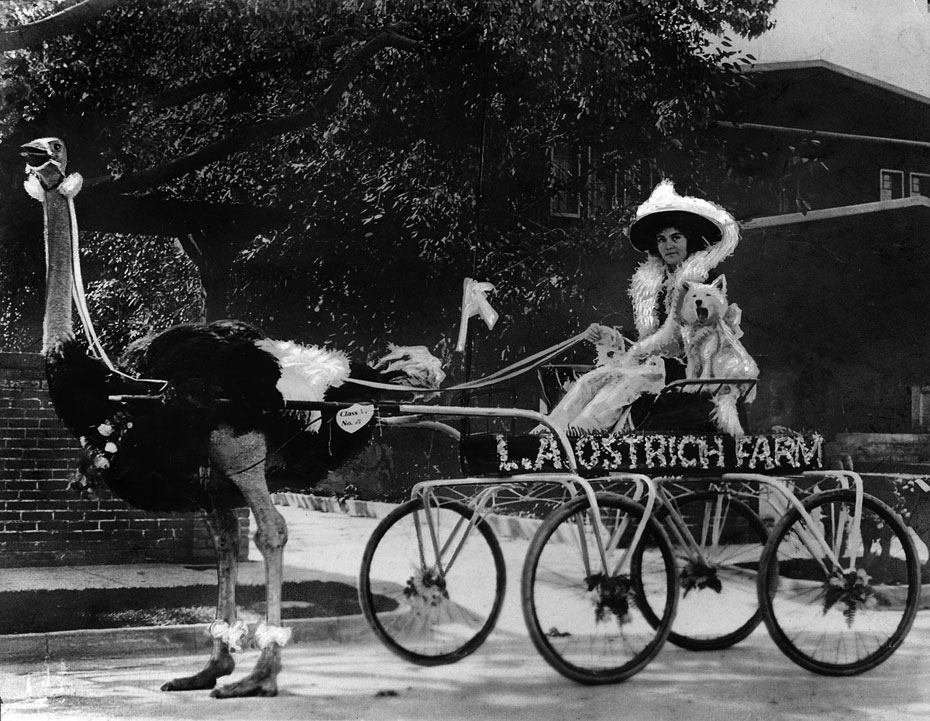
(68, 187)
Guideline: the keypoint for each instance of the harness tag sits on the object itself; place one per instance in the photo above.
(354, 417)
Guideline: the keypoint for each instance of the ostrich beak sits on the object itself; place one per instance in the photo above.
(36, 153)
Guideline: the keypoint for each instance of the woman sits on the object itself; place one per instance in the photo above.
(685, 238)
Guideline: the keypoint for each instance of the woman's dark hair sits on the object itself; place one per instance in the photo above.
(685, 223)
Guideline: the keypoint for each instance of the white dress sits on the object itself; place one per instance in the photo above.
(597, 400)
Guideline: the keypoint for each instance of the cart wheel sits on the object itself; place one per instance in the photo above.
(839, 621)
(718, 568)
(584, 618)
(432, 582)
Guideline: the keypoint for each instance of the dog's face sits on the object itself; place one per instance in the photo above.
(703, 303)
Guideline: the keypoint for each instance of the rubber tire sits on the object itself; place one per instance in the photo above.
(545, 535)
(715, 643)
(770, 581)
(481, 533)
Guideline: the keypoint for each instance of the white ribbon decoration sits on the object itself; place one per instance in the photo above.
(475, 302)
(232, 635)
(267, 634)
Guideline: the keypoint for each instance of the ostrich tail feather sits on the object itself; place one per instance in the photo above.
(412, 364)
(307, 372)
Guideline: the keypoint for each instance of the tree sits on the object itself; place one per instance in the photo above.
(70, 17)
(391, 147)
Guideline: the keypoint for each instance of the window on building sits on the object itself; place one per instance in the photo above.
(602, 185)
(565, 168)
(585, 186)
(638, 181)
(920, 184)
(892, 184)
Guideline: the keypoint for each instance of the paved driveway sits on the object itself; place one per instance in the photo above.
(505, 679)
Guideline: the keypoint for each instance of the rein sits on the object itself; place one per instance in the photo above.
(525, 365)
(70, 186)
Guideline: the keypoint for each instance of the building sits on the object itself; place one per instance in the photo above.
(833, 157)
(832, 178)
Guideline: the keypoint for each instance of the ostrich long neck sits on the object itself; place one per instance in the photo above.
(58, 240)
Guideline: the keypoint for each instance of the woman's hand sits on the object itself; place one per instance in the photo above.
(635, 352)
(597, 333)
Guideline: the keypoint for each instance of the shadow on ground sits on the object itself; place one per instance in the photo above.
(41, 611)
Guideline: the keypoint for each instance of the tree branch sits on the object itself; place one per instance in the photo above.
(61, 23)
(240, 140)
(171, 218)
(387, 38)
(226, 81)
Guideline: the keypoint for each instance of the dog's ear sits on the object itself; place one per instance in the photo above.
(720, 283)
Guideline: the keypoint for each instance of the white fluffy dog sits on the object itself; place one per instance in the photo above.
(710, 332)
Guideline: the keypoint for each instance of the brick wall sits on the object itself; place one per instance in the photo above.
(42, 521)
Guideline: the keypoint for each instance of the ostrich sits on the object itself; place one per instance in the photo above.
(207, 445)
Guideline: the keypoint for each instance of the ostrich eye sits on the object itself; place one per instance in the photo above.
(56, 146)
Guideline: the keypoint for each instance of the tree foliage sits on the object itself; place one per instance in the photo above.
(401, 146)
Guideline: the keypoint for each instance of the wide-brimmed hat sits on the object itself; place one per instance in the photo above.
(700, 220)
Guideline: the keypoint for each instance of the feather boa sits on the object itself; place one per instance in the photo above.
(648, 281)
(725, 414)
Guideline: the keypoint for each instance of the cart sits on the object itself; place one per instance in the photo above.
(638, 538)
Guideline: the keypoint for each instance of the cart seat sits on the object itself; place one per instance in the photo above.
(688, 405)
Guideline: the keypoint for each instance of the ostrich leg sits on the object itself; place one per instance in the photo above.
(224, 531)
(242, 460)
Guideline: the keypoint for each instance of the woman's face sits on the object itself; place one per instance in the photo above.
(672, 245)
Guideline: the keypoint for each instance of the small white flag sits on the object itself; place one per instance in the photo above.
(474, 302)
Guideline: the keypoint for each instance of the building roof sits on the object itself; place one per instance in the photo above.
(887, 40)
(826, 65)
(820, 95)
(900, 206)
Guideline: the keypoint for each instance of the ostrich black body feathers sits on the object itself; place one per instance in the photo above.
(153, 455)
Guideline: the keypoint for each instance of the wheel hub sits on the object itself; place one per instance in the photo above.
(698, 575)
(612, 596)
(426, 588)
(848, 591)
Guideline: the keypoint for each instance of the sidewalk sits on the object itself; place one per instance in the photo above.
(322, 546)
(326, 541)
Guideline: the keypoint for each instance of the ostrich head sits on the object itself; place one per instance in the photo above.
(46, 159)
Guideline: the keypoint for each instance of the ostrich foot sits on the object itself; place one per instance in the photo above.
(206, 678)
(263, 681)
